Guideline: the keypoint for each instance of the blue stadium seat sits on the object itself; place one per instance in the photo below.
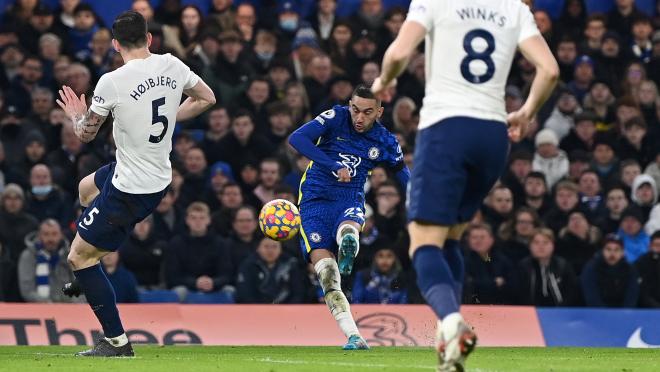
(158, 296)
(209, 298)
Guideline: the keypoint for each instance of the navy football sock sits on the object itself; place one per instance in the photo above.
(435, 280)
(101, 297)
(454, 258)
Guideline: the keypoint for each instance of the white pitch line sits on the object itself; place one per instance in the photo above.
(340, 364)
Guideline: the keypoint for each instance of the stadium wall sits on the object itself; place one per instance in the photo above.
(391, 325)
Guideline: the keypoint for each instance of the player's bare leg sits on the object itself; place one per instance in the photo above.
(84, 259)
(455, 338)
(348, 241)
(327, 271)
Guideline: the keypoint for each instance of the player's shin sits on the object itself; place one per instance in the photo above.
(435, 280)
(101, 297)
(329, 278)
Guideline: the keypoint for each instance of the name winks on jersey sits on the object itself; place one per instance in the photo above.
(158, 81)
(483, 14)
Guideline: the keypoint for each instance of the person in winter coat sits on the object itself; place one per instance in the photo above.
(635, 240)
(616, 202)
(270, 277)
(198, 260)
(383, 283)
(648, 267)
(122, 280)
(644, 194)
(489, 275)
(549, 159)
(608, 280)
(142, 255)
(578, 241)
(515, 234)
(43, 269)
(546, 279)
(566, 201)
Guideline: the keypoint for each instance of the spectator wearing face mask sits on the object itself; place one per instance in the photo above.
(608, 280)
(46, 200)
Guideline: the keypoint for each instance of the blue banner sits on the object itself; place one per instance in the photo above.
(600, 327)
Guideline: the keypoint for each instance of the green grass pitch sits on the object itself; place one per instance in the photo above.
(321, 359)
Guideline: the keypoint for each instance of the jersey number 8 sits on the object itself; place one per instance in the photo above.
(473, 55)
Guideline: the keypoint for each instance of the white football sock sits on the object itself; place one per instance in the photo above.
(450, 325)
(118, 341)
(329, 278)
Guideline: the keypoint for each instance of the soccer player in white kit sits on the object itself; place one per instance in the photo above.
(144, 97)
(464, 134)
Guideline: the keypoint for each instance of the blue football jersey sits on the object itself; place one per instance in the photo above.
(359, 152)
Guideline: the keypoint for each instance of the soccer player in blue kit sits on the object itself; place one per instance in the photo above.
(463, 139)
(344, 144)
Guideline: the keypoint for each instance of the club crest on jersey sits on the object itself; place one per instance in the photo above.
(373, 153)
(349, 161)
(315, 237)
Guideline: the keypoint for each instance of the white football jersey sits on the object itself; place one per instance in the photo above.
(143, 97)
(470, 45)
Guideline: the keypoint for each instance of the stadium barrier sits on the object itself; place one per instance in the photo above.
(385, 325)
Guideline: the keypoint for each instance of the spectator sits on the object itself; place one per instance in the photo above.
(583, 134)
(404, 119)
(594, 31)
(317, 84)
(641, 47)
(65, 14)
(46, 200)
(244, 237)
(389, 214)
(15, 225)
(218, 127)
(608, 280)
(653, 169)
(222, 16)
(536, 193)
(33, 154)
(600, 101)
(647, 96)
(635, 143)
(297, 101)
(578, 241)
(190, 27)
(635, 240)
(280, 123)
(254, 100)
(546, 279)
(29, 75)
(520, 164)
(634, 75)
(168, 219)
(629, 170)
(269, 177)
(99, 56)
(264, 50)
(220, 175)
(582, 77)
(605, 162)
(620, 18)
(383, 283)
(340, 90)
(84, 27)
(195, 181)
(489, 275)
(142, 254)
(270, 277)
(339, 44)
(498, 207)
(198, 260)
(243, 143)
(231, 199)
(64, 161)
(229, 76)
(648, 267)
(204, 55)
(644, 194)
(616, 203)
(566, 201)
(516, 233)
(611, 61)
(324, 20)
(561, 118)
(122, 280)
(573, 18)
(549, 159)
(591, 198)
(566, 53)
(42, 268)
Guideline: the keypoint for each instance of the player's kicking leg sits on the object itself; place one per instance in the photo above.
(348, 241)
(437, 282)
(84, 259)
(327, 271)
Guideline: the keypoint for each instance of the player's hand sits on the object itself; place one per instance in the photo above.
(382, 91)
(518, 122)
(74, 107)
(344, 175)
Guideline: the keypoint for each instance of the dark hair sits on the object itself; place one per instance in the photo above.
(597, 17)
(656, 235)
(82, 7)
(130, 29)
(364, 91)
(538, 175)
(241, 113)
(636, 121)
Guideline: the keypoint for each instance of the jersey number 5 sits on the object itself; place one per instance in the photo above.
(483, 56)
(156, 118)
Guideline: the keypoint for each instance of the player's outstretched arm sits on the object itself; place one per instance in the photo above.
(200, 98)
(86, 123)
(303, 141)
(397, 56)
(536, 50)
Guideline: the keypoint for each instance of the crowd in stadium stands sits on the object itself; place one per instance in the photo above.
(575, 221)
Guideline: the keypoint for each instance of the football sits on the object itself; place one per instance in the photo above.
(279, 220)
